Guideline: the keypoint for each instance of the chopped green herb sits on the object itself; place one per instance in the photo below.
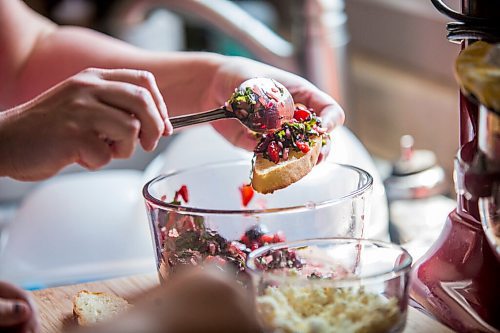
(288, 136)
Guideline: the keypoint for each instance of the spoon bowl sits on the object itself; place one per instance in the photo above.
(261, 104)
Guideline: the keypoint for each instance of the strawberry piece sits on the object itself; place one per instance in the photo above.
(301, 115)
(267, 239)
(246, 191)
(183, 192)
(273, 151)
(304, 147)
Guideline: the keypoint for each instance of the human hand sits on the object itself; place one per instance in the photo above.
(236, 70)
(90, 118)
(17, 310)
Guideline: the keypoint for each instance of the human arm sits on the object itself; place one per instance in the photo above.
(189, 81)
(41, 54)
(38, 55)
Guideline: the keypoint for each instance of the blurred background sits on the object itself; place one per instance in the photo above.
(387, 62)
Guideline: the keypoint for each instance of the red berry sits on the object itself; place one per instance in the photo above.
(301, 115)
(304, 147)
(183, 192)
(246, 191)
(273, 151)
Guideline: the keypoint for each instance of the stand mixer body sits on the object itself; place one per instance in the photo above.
(458, 280)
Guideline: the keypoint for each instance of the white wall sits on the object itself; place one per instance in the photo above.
(402, 77)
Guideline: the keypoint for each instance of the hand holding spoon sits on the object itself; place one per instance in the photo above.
(260, 104)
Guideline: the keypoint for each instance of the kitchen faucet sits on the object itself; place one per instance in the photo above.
(318, 40)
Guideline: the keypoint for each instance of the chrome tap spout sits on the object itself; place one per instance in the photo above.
(316, 50)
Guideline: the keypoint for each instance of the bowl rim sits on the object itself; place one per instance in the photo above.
(152, 200)
(400, 269)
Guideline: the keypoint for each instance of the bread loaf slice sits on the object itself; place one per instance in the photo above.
(93, 307)
(269, 176)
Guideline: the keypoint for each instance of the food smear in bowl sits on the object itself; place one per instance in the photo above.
(189, 242)
(185, 240)
(215, 227)
(320, 309)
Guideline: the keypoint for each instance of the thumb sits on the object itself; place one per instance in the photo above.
(13, 312)
(332, 116)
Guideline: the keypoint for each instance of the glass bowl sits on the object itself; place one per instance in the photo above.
(331, 285)
(214, 226)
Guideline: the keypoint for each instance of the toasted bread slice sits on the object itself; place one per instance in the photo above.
(269, 176)
(93, 307)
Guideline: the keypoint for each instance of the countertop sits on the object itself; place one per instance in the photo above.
(55, 304)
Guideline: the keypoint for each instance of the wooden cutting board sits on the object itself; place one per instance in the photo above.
(56, 311)
(55, 305)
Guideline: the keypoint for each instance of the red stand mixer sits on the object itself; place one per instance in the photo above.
(458, 280)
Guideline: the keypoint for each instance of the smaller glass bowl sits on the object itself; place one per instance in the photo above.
(331, 285)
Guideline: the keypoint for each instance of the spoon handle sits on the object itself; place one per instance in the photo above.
(201, 117)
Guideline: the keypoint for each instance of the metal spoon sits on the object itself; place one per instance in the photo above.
(260, 104)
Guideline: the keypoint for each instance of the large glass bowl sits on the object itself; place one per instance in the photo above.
(331, 285)
(214, 226)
